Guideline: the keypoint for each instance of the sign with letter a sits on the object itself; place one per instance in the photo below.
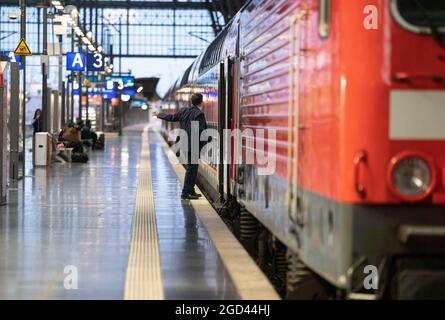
(75, 61)
(14, 58)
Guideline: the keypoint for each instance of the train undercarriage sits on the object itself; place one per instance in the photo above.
(400, 277)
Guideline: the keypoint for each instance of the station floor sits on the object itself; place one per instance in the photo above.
(116, 228)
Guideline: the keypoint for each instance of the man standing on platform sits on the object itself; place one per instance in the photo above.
(186, 117)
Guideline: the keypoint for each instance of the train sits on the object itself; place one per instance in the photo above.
(353, 92)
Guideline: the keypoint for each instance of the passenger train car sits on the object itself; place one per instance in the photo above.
(354, 92)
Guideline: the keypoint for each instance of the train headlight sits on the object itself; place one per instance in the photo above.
(411, 177)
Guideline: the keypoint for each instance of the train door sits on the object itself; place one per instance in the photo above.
(234, 124)
(221, 125)
(227, 147)
(226, 90)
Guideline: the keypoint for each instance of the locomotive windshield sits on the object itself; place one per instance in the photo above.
(422, 13)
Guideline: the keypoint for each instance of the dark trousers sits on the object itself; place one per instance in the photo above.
(190, 178)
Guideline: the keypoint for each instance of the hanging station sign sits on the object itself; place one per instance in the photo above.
(78, 61)
(75, 61)
(12, 57)
(95, 62)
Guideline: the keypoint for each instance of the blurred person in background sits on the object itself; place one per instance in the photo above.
(37, 122)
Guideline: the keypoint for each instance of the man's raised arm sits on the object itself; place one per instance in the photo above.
(167, 117)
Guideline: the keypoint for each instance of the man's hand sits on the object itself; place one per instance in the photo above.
(155, 113)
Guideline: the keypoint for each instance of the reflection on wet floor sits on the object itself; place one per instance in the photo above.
(80, 215)
(191, 267)
(71, 214)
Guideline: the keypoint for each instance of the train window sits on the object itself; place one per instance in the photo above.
(186, 75)
(324, 18)
(420, 16)
(213, 53)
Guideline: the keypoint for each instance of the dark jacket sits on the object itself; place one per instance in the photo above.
(37, 125)
(185, 116)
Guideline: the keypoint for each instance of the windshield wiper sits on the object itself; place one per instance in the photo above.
(434, 29)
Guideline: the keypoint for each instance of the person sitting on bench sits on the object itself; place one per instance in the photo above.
(71, 136)
(87, 133)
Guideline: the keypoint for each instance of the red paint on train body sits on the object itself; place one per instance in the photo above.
(349, 104)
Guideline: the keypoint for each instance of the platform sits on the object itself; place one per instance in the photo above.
(120, 222)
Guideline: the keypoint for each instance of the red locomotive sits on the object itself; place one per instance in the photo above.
(355, 93)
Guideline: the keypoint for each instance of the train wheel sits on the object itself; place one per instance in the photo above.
(304, 284)
(248, 231)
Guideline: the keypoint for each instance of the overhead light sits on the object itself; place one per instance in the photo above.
(73, 11)
(15, 14)
(86, 41)
(99, 49)
(140, 89)
(125, 97)
(79, 33)
(89, 35)
(91, 48)
(106, 59)
(57, 4)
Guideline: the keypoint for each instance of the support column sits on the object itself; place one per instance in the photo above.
(61, 87)
(45, 61)
(79, 79)
(87, 102)
(71, 93)
(23, 36)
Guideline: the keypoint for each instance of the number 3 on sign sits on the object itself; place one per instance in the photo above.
(99, 61)
(95, 62)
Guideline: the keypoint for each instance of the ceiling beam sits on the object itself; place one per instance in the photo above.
(122, 4)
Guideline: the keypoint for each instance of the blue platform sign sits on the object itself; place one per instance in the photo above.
(11, 56)
(108, 94)
(122, 84)
(75, 61)
(129, 92)
(76, 88)
(95, 62)
(110, 84)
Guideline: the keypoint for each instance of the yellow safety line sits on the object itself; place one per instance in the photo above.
(249, 280)
(143, 278)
